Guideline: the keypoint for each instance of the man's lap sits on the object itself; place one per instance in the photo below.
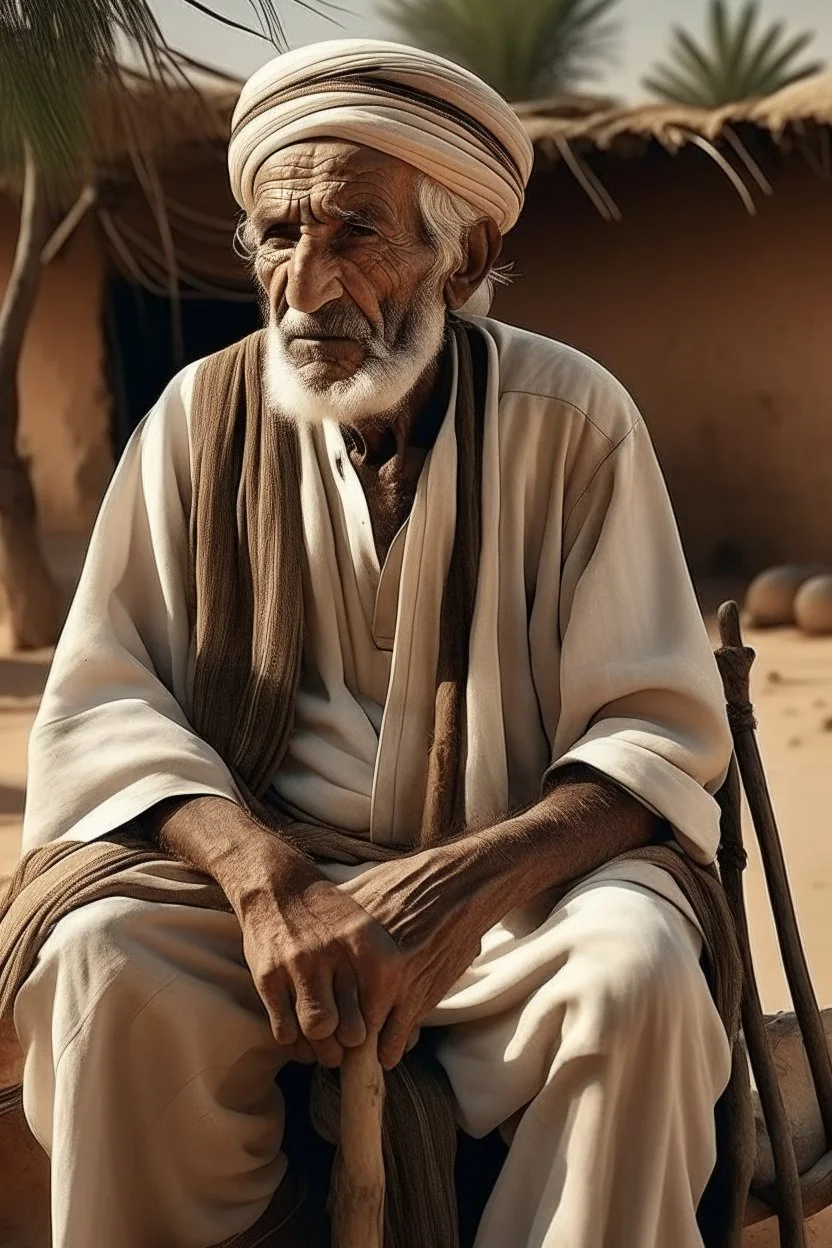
(611, 933)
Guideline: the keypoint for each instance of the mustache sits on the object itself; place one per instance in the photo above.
(330, 321)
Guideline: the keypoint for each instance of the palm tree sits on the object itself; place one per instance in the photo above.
(736, 61)
(52, 53)
(525, 48)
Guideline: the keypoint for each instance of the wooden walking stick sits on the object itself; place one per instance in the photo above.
(358, 1212)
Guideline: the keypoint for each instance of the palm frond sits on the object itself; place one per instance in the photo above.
(670, 85)
(720, 32)
(692, 60)
(525, 49)
(742, 37)
(52, 52)
(735, 62)
(271, 27)
(758, 55)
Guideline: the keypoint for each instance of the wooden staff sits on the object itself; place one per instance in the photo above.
(358, 1212)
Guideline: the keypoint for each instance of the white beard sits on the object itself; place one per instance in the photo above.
(384, 380)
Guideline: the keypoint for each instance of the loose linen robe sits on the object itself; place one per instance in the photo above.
(587, 644)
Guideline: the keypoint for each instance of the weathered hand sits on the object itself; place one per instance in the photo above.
(326, 970)
(426, 903)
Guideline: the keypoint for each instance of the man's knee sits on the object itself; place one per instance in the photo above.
(640, 972)
(99, 939)
(89, 979)
(95, 947)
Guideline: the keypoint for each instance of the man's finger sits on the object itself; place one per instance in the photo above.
(352, 1030)
(278, 1001)
(394, 1036)
(302, 1051)
(328, 1053)
(316, 1009)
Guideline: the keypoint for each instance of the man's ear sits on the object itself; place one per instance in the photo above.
(485, 242)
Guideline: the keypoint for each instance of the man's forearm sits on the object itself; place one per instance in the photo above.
(455, 892)
(583, 822)
(217, 836)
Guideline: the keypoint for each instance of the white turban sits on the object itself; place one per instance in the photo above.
(418, 107)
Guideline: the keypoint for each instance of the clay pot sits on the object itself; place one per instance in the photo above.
(813, 605)
(770, 598)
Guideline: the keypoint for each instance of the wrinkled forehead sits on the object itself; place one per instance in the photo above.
(332, 174)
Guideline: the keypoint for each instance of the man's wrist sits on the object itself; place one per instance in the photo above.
(263, 869)
(218, 836)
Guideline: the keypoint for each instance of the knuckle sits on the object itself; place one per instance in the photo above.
(272, 986)
(299, 962)
(308, 963)
(318, 1023)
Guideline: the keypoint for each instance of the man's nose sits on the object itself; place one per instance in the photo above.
(312, 279)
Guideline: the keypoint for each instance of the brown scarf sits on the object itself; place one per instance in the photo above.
(247, 553)
(247, 599)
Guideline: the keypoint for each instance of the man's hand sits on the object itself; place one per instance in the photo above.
(326, 971)
(439, 903)
(427, 906)
(333, 964)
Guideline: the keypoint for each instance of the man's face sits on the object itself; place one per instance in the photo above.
(356, 306)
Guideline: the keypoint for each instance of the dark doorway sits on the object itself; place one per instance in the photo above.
(140, 348)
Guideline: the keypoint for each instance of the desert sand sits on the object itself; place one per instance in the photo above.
(792, 689)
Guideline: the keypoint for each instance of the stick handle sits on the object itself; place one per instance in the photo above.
(358, 1213)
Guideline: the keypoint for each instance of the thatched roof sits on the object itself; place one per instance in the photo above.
(163, 200)
(161, 122)
(674, 125)
(718, 132)
(171, 121)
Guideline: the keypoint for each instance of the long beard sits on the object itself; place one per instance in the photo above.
(389, 373)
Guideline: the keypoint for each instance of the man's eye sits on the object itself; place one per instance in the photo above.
(281, 235)
(360, 231)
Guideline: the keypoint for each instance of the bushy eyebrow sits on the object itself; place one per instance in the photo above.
(360, 215)
(365, 215)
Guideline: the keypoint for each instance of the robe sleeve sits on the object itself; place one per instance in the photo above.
(641, 699)
(111, 737)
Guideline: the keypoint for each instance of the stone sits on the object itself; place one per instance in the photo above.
(770, 598)
(799, 1098)
(813, 605)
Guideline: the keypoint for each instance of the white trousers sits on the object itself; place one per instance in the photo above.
(150, 1073)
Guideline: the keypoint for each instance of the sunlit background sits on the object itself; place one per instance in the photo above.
(643, 32)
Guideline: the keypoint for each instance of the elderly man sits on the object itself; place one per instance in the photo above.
(385, 628)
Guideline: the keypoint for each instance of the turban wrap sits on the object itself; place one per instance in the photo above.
(413, 105)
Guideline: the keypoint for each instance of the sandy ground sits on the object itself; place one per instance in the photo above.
(792, 688)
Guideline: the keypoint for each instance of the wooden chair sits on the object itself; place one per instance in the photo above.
(794, 1197)
(358, 1215)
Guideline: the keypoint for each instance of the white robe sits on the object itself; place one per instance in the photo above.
(587, 643)
(589, 1026)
